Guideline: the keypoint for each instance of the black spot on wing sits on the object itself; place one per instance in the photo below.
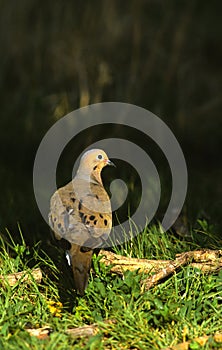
(83, 217)
(105, 222)
(80, 204)
(81, 214)
(72, 196)
(61, 229)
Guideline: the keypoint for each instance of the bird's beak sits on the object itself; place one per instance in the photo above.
(108, 162)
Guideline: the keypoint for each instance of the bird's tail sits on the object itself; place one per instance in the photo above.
(81, 258)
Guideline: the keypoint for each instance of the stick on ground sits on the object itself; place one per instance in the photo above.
(13, 278)
(207, 261)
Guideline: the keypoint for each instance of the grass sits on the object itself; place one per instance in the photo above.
(185, 306)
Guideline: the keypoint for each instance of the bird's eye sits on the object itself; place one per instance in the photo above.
(99, 156)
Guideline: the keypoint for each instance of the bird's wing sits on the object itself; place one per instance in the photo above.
(82, 216)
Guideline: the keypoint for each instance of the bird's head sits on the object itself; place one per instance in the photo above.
(92, 162)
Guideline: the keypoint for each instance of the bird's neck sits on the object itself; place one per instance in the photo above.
(94, 177)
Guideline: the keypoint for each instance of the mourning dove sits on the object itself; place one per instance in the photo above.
(80, 212)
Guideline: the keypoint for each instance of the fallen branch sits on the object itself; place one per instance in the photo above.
(200, 340)
(122, 263)
(77, 332)
(204, 260)
(87, 331)
(13, 278)
(171, 267)
(84, 331)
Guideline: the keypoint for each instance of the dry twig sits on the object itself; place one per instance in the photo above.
(77, 332)
(40, 333)
(205, 260)
(171, 267)
(13, 278)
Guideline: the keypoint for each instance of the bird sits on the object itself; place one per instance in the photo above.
(80, 213)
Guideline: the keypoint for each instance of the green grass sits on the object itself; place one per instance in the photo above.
(184, 306)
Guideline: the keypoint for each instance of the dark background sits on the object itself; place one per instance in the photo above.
(57, 56)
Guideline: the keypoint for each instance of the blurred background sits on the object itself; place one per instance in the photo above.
(57, 56)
